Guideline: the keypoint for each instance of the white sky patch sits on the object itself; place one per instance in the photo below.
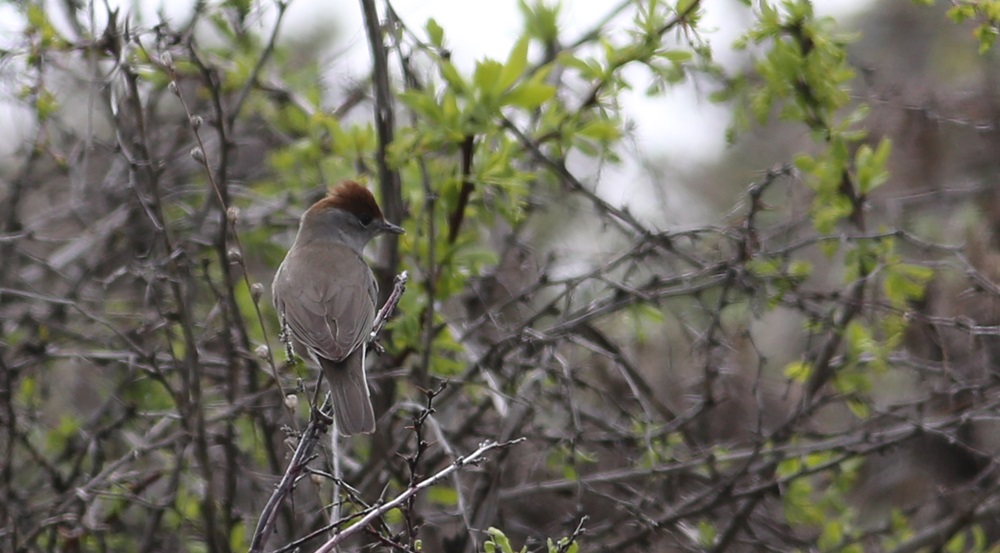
(681, 125)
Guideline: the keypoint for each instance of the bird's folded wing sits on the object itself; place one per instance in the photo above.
(326, 314)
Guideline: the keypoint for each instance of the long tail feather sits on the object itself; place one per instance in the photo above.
(351, 402)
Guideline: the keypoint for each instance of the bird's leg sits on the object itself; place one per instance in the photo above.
(322, 414)
(285, 338)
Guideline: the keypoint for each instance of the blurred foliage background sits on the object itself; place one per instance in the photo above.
(792, 347)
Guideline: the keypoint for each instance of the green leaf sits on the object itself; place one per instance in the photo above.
(600, 129)
(517, 61)
(453, 78)
(394, 516)
(679, 56)
(45, 105)
(541, 19)
(238, 537)
(684, 5)
(956, 544)
(798, 371)
(58, 437)
(589, 69)
(435, 33)
(789, 467)
(443, 495)
(870, 166)
(882, 151)
(916, 273)
(987, 36)
(831, 536)
(707, 533)
(858, 339)
(905, 282)
(27, 389)
(800, 269)
(805, 163)
(423, 104)
(241, 6)
(961, 12)
(851, 380)
(486, 77)
(499, 539)
(36, 16)
(529, 95)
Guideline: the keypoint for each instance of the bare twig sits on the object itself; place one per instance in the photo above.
(310, 437)
(473, 458)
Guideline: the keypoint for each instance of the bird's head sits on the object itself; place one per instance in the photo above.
(349, 214)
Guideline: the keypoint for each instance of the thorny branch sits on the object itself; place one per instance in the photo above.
(473, 458)
(647, 369)
(296, 468)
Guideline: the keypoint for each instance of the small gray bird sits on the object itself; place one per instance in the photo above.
(325, 293)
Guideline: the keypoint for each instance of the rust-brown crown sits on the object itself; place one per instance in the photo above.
(352, 198)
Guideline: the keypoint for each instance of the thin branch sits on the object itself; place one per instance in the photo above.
(318, 425)
(385, 121)
(473, 458)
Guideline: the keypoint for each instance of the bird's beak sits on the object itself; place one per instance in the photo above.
(390, 228)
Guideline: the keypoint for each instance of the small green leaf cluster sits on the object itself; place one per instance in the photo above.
(986, 13)
(781, 275)
(499, 543)
(803, 76)
(567, 460)
(805, 69)
(814, 496)
(804, 72)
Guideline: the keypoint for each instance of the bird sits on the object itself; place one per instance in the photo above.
(325, 294)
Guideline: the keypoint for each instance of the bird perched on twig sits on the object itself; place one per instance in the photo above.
(325, 295)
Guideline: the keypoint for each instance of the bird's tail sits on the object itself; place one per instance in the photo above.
(352, 405)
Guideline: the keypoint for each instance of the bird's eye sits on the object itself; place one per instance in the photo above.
(365, 219)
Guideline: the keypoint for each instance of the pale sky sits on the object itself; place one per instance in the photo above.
(681, 126)
(682, 122)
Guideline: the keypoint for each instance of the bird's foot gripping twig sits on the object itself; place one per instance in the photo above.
(284, 336)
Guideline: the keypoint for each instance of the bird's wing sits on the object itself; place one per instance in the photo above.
(326, 315)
